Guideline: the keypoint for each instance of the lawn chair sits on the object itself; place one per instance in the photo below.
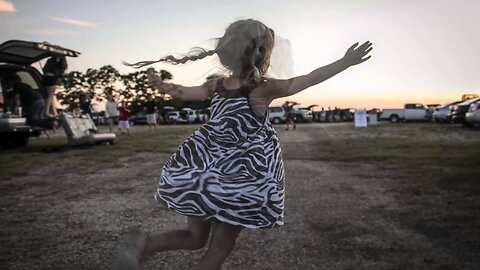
(82, 131)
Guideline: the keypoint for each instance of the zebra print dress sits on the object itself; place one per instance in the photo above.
(229, 170)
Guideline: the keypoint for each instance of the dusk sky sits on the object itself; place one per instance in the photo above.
(424, 51)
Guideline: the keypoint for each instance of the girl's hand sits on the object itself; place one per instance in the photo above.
(165, 88)
(355, 56)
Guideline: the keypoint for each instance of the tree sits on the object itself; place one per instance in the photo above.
(136, 89)
(95, 83)
(75, 83)
(131, 89)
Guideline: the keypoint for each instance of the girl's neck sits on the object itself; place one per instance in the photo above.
(234, 82)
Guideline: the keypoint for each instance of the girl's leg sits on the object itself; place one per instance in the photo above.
(221, 244)
(194, 237)
(49, 101)
(53, 106)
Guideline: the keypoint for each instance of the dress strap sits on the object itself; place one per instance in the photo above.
(243, 91)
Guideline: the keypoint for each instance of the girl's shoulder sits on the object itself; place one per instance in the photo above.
(270, 88)
(213, 83)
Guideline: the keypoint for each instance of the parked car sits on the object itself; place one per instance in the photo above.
(173, 116)
(187, 116)
(202, 115)
(472, 117)
(431, 110)
(139, 118)
(458, 111)
(99, 118)
(17, 57)
(276, 115)
(441, 112)
(410, 112)
(304, 114)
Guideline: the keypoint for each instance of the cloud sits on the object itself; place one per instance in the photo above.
(6, 6)
(73, 21)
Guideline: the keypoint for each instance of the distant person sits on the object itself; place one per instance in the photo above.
(329, 117)
(111, 112)
(53, 72)
(335, 114)
(323, 115)
(229, 174)
(85, 104)
(289, 114)
(150, 108)
(162, 113)
(123, 123)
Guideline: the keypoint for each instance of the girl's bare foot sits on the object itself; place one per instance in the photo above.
(130, 251)
(145, 252)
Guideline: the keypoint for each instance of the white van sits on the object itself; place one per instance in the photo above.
(276, 115)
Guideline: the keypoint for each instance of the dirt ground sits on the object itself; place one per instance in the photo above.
(338, 215)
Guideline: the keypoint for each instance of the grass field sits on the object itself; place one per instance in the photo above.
(447, 155)
(54, 151)
(403, 196)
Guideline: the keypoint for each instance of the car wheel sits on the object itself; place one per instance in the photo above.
(394, 118)
(14, 140)
(276, 120)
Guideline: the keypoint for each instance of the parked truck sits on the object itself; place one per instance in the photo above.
(410, 112)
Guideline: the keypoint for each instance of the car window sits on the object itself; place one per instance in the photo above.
(275, 109)
(27, 78)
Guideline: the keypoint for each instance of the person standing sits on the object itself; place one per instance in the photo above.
(289, 115)
(111, 112)
(123, 123)
(323, 115)
(150, 108)
(85, 104)
(53, 72)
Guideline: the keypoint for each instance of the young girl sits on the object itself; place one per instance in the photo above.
(228, 175)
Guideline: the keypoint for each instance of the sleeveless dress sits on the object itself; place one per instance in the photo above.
(229, 170)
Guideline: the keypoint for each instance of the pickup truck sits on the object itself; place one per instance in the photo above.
(410, 112)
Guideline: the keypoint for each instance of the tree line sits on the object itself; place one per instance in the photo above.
(130, 89)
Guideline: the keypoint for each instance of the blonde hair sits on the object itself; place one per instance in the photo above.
(244, 49)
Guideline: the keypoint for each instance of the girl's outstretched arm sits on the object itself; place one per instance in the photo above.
(200, 92)
(354, 56)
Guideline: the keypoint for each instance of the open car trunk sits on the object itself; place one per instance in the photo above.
(27, 52)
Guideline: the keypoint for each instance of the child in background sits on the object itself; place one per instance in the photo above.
(228, 175)
(123, 123)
